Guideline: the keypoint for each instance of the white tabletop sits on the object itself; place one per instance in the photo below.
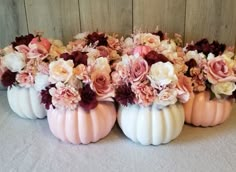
(28, 145)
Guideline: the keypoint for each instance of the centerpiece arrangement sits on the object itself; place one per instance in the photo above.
(150, 88)
(24, 66)
(79, 99)
(212, 69)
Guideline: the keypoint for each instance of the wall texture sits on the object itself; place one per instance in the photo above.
(61, 19)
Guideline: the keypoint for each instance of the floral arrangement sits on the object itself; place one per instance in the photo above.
(212, 67)
(25, 61)
(81, 76)
(151, 71)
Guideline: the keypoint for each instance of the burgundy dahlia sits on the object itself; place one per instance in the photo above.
(124, 95)
(22, 40)
(77, 57)
(94, 37)
(46, 97)
(153, 57)
(88, 98)
(8, 78)
(191, 63)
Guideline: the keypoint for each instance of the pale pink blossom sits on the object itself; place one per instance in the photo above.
(104, 51)
(148, 39)
(138, 69)
(145, 94)
(41, 42)
(25, 79)
(43, 67)
(82, 73)
(116, 79)
(184, 88)
(142, 50)
(165, 98)
(22, 49)
(37, 51)
(77, 45)
(64, 96)
(218, 71)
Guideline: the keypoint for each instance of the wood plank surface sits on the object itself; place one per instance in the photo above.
(169, 15)
(12, 21)
(214, 19)
(56, 18)
(106, 15)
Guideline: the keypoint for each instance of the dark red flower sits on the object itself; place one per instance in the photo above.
(46, 97)
(88, 98)
(77, 57)
(8, 78)
(153, 57)
(124, 95)
(22, 40)
(191, 63)
(160, 34)
(203, 46)
(94, 37)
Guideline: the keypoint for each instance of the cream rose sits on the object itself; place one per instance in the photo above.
(60, 70)
(102, 64)
(148, 39)
(166, 97)
(14, 61)
(223, 88)
(162, 74)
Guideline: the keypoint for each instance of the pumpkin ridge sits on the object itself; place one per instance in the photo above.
(94, 122)
(31, 105)
(77, 140)
(23, 93)
(16, 101)
(162, 113)
(173, 117)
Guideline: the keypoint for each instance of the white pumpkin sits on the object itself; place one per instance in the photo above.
(149, 125)
(26, 102)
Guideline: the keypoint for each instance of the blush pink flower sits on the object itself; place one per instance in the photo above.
(104, 51)
(184, 88)
(25, 79)
(123, 71)
(145, 94)
(113, 42)
(37, 51)
(218, 71)
(139, 69)
(64, 96)
(81, 73)
(101, 84)
(165, 98)
(22, 49)
(116, 79)
(142, 50)
(43, 68)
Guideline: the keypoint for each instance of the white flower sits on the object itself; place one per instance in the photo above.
(167, 46)
(60, 70)
(210, 56)
(128, 42)
(14, 61)
(41, 81)
(223, 88)
(166, 97)
(194, 55)
(162, 74)
(102, 64)
(81, 35)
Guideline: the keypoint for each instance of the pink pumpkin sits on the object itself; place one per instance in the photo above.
(42, 42)
(80, 126)
(201, 111)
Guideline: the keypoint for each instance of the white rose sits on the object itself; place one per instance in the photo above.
(162, 74)
(101, 63)
(210, 56)
(167, 46)
(194, 55)
(41, 81)
(60, 70)
(14, 61)
(81, 35)
(166, 97)
(225, 88)
(128, 42)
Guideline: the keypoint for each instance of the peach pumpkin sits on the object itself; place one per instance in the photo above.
(26, 102)
(80, 126)
(201, 111)
(148, 125)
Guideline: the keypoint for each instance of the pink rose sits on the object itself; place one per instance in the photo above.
(22, 49)
(165, 98)
(37, 51)
(142, 50)
(64, 96)
(25, 79)
(101, 84)
(145, 94)
(184, 88)
(139, 69)
(104, 51)
(40, 42)
(218, 71)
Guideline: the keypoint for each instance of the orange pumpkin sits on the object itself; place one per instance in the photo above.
(201, 111)
(82, 127)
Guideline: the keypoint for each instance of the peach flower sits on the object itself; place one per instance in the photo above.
(184, 88)
(166, 97)
(142, 50)
(148, 39)
(64, 96)
(60, 70)
(25, 79)
(81, 73)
